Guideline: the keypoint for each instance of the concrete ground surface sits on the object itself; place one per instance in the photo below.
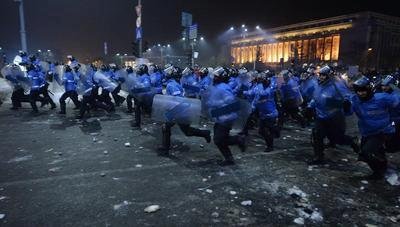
(58, 171)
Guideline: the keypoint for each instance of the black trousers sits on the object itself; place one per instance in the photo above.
(268, 129)
(138, 111)
(34, 96)
(105, 97)
(45, 92)
(18, 96)
(129, 102)
(393, 142)
(117, 98)
(73, 95)
(290, 108)
(373, 154)
(223, 139)
(334, 129)
(91, 101)
(185, 128)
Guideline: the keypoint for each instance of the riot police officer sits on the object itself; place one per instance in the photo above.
(329, 102)
(175, 89)
(224, 121)
(70, 80)
(374, 123)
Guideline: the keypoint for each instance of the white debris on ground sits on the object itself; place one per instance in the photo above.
(299, 221)
(220, 173)
(246, 203)
(215, 214)
(20, 159)
(304, 208)
(232, 192)
(152, 208)
(392, 177)
(2, 216)
(209, 191)
(55, 169)
(127, 144)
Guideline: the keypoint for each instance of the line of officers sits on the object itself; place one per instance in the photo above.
(309, 95)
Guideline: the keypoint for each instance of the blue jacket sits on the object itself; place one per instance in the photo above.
(37, 80)
(101, 80)
(220, 96)
(264, 101)
(395, 112)
(374, 114)
(243, 83)
(291, 90)
(156, 81)
(233, 83)
(174, 88)
(205, 82)
(328, 99)
(190, 85)
(70, 81)
(307, 88)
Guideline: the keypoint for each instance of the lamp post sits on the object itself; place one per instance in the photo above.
(22, 31)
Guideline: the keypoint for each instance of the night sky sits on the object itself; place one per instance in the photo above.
(80, 27)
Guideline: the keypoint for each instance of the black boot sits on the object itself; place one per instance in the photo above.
(166, 140)
(63, 108)
(207, 135)
(227, 162)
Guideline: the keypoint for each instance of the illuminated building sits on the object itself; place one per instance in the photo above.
(367, 39)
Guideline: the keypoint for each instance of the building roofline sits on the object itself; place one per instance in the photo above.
(341, 18)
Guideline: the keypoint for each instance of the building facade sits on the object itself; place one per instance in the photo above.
(367, 39)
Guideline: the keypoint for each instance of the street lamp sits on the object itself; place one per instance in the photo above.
(258, 27)
(232, 28)
(24, 46)
(243, 25)
(202, 38)
(168, 45)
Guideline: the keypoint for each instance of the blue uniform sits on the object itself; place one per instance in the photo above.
(264, 101)
(307, 88)
(328, 99)
(233, 83)
(37, 80)
(205, 82)
(243, 83)
(291, 90)
(103, 81)
(222, 95)
(373, 115)
(174, 88)
(156, 81)
(395, 112)
(190, 85)
(70, 81)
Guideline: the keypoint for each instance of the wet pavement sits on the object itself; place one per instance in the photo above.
(58, 171)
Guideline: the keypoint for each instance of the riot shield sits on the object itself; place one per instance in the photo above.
(104, 82)
(14, 74)
(220, 106)
(5, 90)
(44, 66)
(175, 109)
